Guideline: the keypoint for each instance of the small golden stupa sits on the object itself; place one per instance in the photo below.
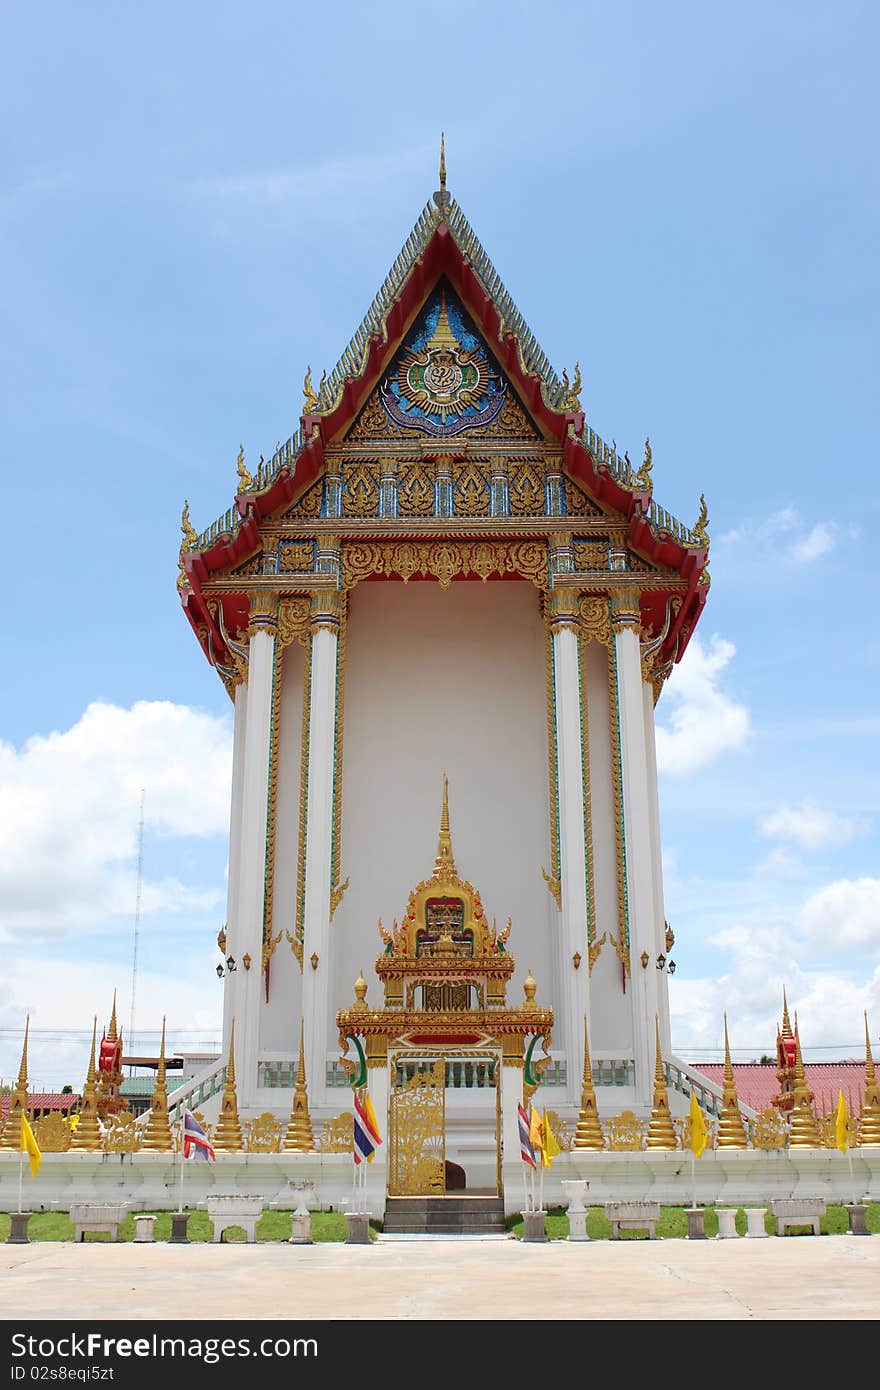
(227, 1133)
(869, 1121)
(803, 1131)
(588, 1134)
(11, 1136)
(300, 1137)
(731, 1130)
(87, 1134)
(661, 1131)
(157, 1135)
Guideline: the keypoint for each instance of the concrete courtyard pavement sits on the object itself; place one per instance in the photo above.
(802, 1277)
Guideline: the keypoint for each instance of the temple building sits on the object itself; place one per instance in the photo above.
(444, 612)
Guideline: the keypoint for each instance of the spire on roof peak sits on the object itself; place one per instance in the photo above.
(442, 198)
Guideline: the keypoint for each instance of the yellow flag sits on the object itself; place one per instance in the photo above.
(841, 1133)
(373, 1124)
(699, 1133)
(536, 1129)
(551, 1144)
(30, 1146)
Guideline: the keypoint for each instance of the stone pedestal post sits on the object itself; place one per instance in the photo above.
(755, 1222)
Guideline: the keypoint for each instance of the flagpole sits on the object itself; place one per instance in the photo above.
(182, 1132)
(694, 1175)
(20, 1170)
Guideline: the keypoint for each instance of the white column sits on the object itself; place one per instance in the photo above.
(326, 610)
(511, 1082)
(573, 983)
(246, 933)
(657, 865)
(239, 755)
(637, 837)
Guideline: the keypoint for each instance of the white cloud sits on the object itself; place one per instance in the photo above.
(845, 914)
(819, 541)
(786, 535)
(69, 810)
(703, 721)
(810, 827)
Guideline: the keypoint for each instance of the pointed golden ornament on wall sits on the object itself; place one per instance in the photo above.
(227, 1133)
(360, 991)
(661, 1131)
(157, 1135)
(731, 1130)
(529, 990)
(300, 1137)
(869, 1121)
(87, 1134)
(588, 1134)
(803, 1132)
(444, 864)
(11, 1136)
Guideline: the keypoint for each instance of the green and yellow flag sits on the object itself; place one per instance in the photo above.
(30, 1146)
(699, 1133)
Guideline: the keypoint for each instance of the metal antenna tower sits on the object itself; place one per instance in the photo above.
(137, 920)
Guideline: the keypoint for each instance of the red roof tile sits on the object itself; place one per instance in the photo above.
(43, 1100)
(756, 1085)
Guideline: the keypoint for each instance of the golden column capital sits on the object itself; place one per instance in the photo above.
(327, 611)
(263, 613)
(625, 610)
(563, 610)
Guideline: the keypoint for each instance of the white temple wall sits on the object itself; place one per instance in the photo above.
(280, 1017)
(610, 1025)
(444, 681)
(657, 863)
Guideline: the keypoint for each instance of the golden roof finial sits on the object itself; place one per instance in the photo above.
(310, 399)
(786, 1025)
(571, 398)
(360, 991)
(111, 1031)
(529, 990)
(245, 481)
(444, 865)
(643, 477)
(442, 161)
(188, 531)
(699, 530)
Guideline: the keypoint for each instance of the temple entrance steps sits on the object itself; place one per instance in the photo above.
(455, 1214)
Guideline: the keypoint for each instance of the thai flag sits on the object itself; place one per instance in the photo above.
(195, 1140)
(366, 1133)
(526, 1152)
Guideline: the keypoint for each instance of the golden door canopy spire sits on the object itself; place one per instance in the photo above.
(444, 865)
(442, 160)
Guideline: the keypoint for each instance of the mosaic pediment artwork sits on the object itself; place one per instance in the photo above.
(443, 380)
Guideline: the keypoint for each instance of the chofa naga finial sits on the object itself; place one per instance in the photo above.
(643, 477)
(310, 400)
(700, 530)
(571, 396)
(245, 481)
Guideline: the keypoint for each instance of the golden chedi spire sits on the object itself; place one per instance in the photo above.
(11, 1136)
(588, 1134)
(661, 1131)
(299, 1136)
(443, 338)
(869, 1122)
(87, 1134)
(157, 1135)
(444, 864)
(731, 1130)
(803, 1132)
(786, 1025)
(227, 1133)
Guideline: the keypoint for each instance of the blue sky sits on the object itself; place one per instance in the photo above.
(198, 202)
